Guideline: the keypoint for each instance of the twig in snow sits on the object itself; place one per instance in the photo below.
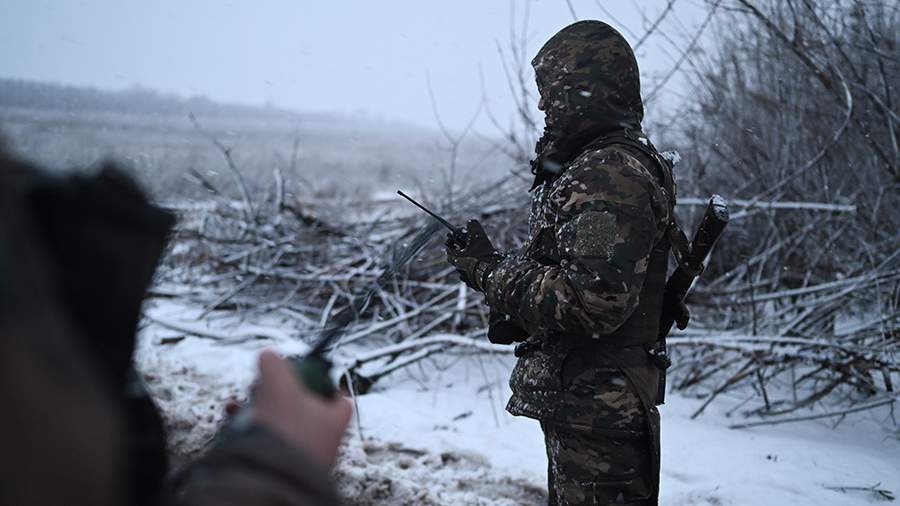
(776, 421)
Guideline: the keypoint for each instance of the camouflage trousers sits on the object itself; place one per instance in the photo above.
(588, 467)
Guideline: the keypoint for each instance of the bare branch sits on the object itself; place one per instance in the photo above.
(226, 152)
(571, 10)
(655, 25)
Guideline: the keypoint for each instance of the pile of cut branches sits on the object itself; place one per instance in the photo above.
(784, 349)
(307, 262)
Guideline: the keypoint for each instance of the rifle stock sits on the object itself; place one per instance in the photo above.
(711, 227)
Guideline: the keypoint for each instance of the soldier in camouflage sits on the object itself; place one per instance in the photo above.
(585, 293)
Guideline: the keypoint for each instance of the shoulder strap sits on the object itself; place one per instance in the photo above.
(640, 142)
(675, 235)
(681, 247)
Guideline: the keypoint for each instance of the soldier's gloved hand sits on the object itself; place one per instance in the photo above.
(504, 330)
(474, 259)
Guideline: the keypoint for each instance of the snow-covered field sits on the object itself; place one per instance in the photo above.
(438, 434)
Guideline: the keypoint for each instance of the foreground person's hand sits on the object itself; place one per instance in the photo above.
(301, 417)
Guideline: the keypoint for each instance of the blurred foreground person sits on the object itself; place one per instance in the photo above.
(78, 427)
(585, 294)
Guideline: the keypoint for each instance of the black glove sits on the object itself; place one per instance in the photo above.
(504, 330)
(475, 259)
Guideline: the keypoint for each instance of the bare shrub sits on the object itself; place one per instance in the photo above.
(796, 105)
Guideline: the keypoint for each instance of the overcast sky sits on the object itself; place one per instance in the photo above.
(350, 57)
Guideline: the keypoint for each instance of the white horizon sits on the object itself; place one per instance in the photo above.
(310, 56)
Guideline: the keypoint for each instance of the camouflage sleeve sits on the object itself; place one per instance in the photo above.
(608, 216)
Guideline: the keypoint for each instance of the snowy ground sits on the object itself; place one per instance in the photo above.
(438, 434)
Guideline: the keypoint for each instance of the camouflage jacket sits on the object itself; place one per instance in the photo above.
(598, 220)
(577, 281)
(591, 232)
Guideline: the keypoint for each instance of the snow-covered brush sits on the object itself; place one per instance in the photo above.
(397, 304)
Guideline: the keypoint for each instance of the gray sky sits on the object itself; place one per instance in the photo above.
(351, 57)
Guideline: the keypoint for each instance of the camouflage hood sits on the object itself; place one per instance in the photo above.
(589, 80)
